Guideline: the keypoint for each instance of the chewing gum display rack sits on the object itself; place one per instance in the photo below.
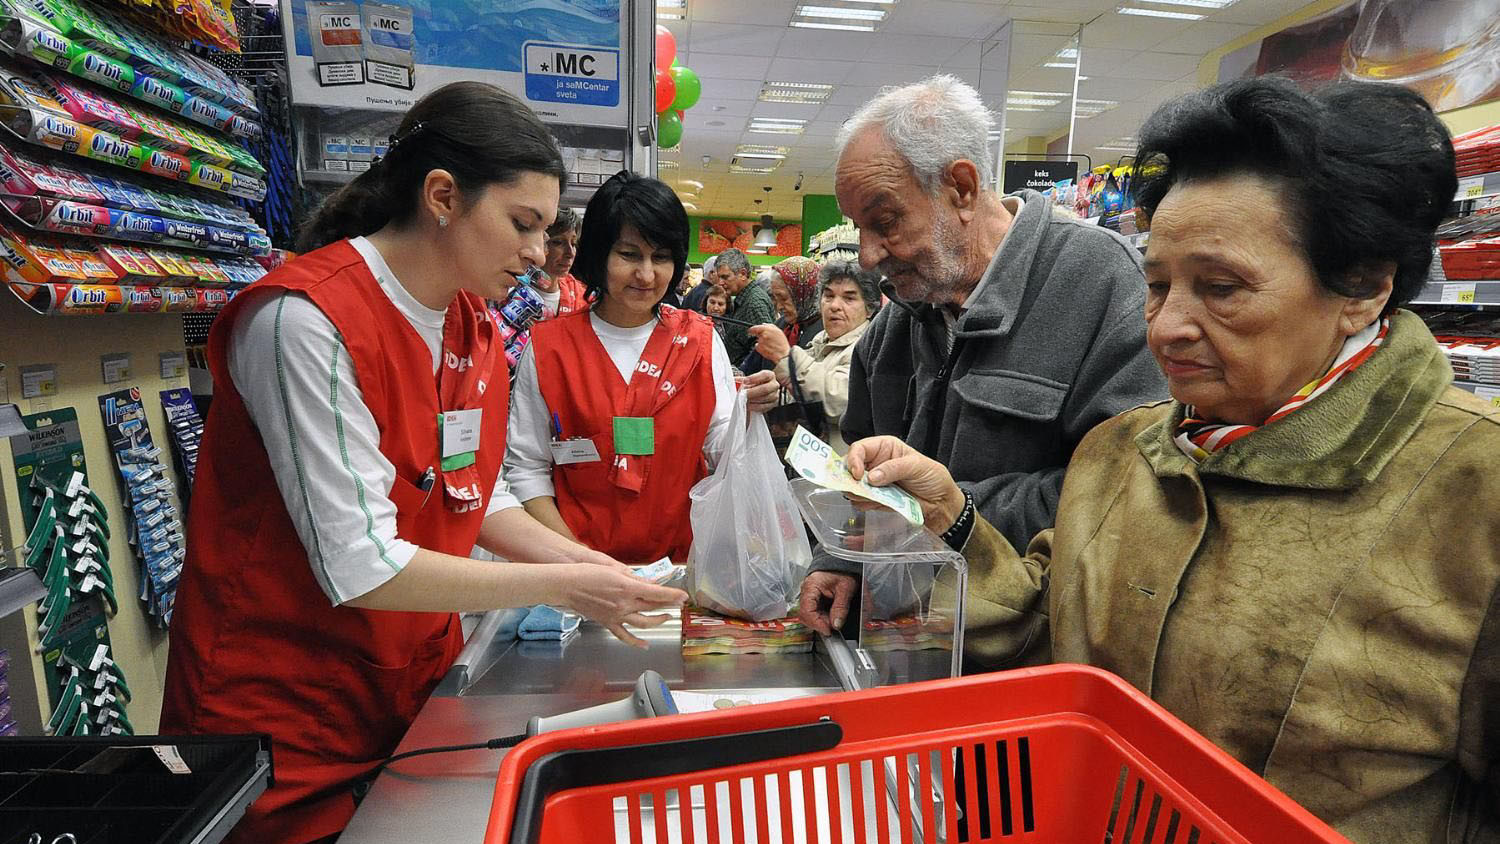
(66, 135)
(56, 276)
(100, 45)
(56, 93)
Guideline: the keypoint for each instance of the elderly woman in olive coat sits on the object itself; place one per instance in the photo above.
(1299, 554)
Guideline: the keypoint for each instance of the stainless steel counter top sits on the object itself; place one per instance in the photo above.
(446, 797)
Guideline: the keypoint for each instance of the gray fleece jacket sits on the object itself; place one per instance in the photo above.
(1053, 344)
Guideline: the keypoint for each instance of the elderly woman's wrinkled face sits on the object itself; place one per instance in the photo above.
(1237, 318)
(781, 297)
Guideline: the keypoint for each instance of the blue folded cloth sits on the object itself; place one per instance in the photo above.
(548, 624)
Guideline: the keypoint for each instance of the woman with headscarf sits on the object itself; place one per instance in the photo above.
(801, 278)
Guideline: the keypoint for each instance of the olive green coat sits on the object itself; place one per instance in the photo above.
(1319, 598)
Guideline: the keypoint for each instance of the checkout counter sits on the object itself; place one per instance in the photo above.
(499, 681)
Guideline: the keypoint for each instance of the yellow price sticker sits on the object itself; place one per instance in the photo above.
(1474, 191)
(1466, 297)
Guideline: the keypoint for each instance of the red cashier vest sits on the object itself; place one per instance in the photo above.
(255, 645)
(583, 387)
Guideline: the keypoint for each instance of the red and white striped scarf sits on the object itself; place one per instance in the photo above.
(1198, 438)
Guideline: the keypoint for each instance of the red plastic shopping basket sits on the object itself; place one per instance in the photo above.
(1059, 754)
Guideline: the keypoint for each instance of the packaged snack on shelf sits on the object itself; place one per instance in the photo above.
(80, 186)
(24, 90)
(77, 218)
(211, 300)
(124, 265)
(96, 269)
(151, 272)
(180, 300)
(22, 175)
(177, 274)
(143, 299)
(140, 227)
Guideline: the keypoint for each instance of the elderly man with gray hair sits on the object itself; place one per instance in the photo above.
(1014, 329)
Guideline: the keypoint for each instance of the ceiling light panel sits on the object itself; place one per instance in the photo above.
(807, 93)
(736, 167)
(777, 126)
(1158, 13)
(671, 10)
(839, 15)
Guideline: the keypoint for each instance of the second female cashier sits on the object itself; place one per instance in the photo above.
(616, 411)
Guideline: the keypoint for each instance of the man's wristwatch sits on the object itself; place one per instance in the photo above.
(957, 536)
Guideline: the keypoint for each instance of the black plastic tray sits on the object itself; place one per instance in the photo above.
(118, 790)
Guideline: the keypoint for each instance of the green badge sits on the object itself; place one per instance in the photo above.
(635, 435)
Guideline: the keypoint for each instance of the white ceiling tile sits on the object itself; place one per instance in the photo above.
(1164, 67)
(1052, 14)
(1257, 13)
(918, 49)
(882, 74)
(737, 11)
(827, 44)
(1203, 37)
(784, 69)
(1124, 32)
(853, 95)
(800, 111)
(725, 108)
(727, 89)
(1109, 87)
(1101, 61)
(944, 17)
(1032, 50)
(722, 66)
(734, 39)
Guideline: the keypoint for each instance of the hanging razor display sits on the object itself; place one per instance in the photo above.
(67, 542)
(154, 525)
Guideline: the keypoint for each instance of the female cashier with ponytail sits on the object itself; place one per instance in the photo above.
(616, 407)
(333, 510)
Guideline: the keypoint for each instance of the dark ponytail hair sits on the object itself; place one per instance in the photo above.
(476, 131)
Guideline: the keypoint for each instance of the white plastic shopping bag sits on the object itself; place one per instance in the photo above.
(749, 549)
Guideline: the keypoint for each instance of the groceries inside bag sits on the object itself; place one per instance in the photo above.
(749, 548)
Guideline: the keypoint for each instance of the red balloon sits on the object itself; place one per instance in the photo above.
(666, 47)
(666, 90)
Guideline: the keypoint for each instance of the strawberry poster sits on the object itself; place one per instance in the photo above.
(714, 236)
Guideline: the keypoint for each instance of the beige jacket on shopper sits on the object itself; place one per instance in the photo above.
(1319, 598)
(823, 369)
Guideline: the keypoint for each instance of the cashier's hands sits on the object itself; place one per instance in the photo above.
(614, 598)
(826, 596)
(761, 389)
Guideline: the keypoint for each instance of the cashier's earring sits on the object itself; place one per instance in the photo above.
(442, 222)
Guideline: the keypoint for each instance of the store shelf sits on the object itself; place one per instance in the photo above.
(51, 299)
(81, 219)
(1489, 392)
(63, 134)
(19, 586)
(329, 177)
(1459, 293)
(1478, 187)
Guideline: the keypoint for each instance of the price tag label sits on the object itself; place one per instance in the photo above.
(1470, 188)
(173, 365)
(1489, 394)
(116, 367)
(39, 380)
(1458, 294)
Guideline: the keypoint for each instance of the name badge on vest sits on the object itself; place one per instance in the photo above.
(579, 450)
(459, 430)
